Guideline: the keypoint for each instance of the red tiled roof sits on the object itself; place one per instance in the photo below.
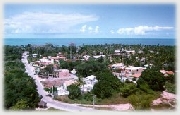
(170, 72)
(137, 75)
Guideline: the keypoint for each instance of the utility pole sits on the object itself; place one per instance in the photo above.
(94, 100)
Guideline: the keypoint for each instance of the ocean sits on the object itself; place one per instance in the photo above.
(89, 41)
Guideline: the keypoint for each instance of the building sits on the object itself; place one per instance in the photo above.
(167, 73)
(89, 82)
(34, 55)
(129, 73)
(117, 66)
(86, 57)
(117, 52)
(130, 52)
(61, 73)
(98, 56)
(46, 61)
(62, 90)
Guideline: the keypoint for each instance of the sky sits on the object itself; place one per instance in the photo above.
(89, 21)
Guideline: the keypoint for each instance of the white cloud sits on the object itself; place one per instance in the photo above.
(97, 29)
(31, 22)
(83, 28)
(141, 30)
(112, 31)
(89, 29)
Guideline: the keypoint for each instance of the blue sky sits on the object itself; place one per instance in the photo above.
(89, 20)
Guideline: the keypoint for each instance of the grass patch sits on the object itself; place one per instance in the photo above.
(139, 101)
(115, 99)
(54, 109)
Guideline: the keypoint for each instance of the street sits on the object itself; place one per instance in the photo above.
(50, 102)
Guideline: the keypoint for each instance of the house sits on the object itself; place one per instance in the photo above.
(35, 64)
(86, 57)
(34, 55)
(61, 73)
(148, 65)
(130, 52)
(117, 52)
(61, 56)
(117, 66)
(46, 61)
(62, 90)
(73, 71)
(129, 73)
(166, 73)
(98, 56)
(89, 82)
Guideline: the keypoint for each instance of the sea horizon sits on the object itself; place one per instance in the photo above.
(90, 41)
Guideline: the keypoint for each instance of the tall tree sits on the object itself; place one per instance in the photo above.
(154, 78)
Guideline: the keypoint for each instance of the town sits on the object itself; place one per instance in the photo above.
(123, 77)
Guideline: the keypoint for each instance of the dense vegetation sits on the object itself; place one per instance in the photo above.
(140, 95)
(19, 89)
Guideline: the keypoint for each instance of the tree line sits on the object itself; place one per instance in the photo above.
(20, 91)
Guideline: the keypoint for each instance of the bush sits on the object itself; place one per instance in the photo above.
(141, 102)
(87, 96)
(128, 89)
(153, 78)
(102, 89)
(74, 91)
(171, 88)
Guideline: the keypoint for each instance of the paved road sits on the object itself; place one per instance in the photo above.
(50, 102)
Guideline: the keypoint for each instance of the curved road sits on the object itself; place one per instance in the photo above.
(50, 102)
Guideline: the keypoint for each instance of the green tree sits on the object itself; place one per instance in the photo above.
(107, 84)
(141, 102)
(154, 79)
(102, 89)
(171, 88)
(21, 105)
(128, 89)
(74, 91)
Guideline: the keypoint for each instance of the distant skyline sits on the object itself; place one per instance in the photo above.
(89, 20)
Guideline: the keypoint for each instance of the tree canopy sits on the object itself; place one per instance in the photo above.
(20, 91)
(74, 91)
(153, 78)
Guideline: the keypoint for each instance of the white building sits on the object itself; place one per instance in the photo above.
(73, 72)
(130, 51)
(46, 60)
(62, 90)
(86, 57)
(117, 66)
(98, 56)
(34, 55)
(89, 83)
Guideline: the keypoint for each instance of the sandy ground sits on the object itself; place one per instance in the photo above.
(119, 107)
(165, 98)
